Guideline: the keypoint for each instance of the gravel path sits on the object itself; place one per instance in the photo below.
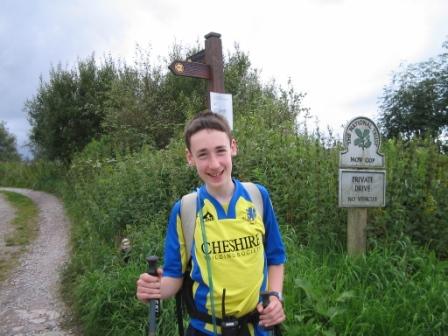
(29, 299)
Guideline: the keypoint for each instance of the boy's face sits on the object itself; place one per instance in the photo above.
(211, 153)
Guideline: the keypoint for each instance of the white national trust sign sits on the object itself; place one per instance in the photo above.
(362, 178)
(362, 142)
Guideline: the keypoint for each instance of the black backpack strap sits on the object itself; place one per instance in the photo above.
(179, 314)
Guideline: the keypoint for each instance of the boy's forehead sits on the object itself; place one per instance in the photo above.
(209, 138)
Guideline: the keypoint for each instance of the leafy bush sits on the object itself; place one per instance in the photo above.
(417, 195)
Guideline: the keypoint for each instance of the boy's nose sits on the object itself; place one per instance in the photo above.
(213, 162)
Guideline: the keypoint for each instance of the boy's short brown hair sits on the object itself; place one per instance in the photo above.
(206, 120)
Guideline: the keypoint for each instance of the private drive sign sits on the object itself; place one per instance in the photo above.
(362, 178)
(362, 188)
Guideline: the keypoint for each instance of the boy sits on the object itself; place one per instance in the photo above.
(244, 248)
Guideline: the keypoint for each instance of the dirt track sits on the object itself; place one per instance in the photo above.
(30, 297)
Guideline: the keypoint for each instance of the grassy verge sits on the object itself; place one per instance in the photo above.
(24, 231)
(395, 290)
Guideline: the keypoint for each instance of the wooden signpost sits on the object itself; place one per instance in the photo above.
(208, 64)
(362, 179)
(190, 69)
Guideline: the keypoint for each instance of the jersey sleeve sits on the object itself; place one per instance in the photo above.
(274, 247)
(175, 256)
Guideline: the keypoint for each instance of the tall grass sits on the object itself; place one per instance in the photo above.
(394, 290)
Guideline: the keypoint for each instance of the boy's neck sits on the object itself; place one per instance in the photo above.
(224, 194)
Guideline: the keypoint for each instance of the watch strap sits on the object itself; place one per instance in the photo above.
(277, 294)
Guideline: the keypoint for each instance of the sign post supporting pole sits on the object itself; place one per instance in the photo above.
(356, 231)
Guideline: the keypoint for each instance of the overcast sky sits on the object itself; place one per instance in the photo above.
(340, 52)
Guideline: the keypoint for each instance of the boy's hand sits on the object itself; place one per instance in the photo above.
(148, 286)
(273, 314)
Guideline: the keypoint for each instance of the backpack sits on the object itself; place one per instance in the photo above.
(188, 220)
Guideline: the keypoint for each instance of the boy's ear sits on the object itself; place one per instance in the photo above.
(233, 147)
(189, 157)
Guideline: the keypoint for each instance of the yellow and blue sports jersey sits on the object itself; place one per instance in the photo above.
(241, 244)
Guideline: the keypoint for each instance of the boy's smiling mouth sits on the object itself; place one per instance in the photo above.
(216, 174)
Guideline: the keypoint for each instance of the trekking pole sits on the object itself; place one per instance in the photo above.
(265, 301)
(154, 304)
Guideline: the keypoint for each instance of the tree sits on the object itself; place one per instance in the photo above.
(415, 103)
(148, 105)
(67, 111)
(8, 148)
(132, 104)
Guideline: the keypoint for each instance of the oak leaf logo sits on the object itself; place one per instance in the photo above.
(363, 139)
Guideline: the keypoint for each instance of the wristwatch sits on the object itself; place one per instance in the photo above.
(278, 295)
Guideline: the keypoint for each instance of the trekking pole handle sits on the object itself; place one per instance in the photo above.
(265, 302)
(154, 304)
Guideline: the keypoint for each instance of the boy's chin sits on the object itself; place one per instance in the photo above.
(214, 182)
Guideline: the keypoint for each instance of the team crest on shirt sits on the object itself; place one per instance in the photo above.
(208, 217)
(251, 214)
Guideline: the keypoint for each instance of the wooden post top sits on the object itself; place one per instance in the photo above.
(206, 64)
(212, 34)
(213, 58)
